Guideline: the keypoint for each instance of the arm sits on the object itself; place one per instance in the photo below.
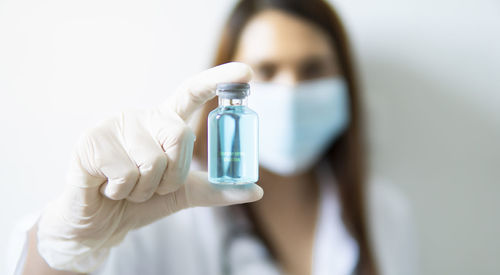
(34, 263)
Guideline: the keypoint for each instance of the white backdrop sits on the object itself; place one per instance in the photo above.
(430, 70)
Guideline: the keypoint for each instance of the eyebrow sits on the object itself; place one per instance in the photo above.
(314, 60)
(307, 60)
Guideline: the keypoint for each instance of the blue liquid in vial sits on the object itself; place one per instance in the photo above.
(233, 145)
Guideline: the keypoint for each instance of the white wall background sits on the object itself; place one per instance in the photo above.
(430, 69)
(432, 76)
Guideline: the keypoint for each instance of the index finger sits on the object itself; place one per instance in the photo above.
(197, 90)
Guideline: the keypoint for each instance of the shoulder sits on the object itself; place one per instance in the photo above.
(392, 230)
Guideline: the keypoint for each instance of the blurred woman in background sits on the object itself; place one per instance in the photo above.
(295, 44)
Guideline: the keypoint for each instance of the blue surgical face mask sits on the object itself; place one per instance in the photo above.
(298, 123)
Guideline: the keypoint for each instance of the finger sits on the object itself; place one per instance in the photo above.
(199, 89)
(148, 156)
(198, 191)
(105, 156)
(178, 147)
(82, 188)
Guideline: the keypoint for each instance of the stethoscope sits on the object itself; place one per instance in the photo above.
(235, 231)
(233, 234)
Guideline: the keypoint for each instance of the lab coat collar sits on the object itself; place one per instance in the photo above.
(335, 252)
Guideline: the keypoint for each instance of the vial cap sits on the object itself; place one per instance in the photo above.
(232, 90)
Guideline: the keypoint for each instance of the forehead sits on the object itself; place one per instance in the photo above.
(281, 36)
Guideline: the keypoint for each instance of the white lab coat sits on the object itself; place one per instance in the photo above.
(196, 241)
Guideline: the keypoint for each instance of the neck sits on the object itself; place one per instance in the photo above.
(286, 216)
(232, 101)
(286, 191)
(274, 184)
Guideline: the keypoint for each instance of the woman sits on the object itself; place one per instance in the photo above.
(312, 219)
(290, 42)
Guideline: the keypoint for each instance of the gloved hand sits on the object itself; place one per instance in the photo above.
(130, 171)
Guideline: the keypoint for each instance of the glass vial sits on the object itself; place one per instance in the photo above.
(233, 137)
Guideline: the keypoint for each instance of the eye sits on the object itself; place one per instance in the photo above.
(265, 71)
(314, 68)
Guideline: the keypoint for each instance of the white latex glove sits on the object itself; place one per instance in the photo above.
(130, 171)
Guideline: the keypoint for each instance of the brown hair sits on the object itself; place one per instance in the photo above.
(346, 155)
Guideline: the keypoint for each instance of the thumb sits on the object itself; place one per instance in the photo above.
(199, 89)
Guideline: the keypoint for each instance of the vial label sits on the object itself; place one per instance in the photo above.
(231, 156)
